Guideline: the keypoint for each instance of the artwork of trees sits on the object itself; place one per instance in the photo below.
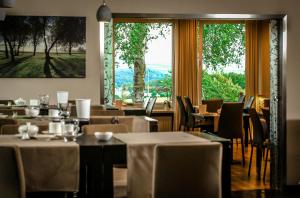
(42, 47)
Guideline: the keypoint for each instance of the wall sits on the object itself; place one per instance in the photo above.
(89, 87)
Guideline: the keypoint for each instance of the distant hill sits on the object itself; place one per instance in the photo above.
(125, 76)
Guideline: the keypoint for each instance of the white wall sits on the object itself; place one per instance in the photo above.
(89, 87)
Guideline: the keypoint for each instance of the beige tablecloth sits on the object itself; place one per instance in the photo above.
(48, 165)
(140, 147)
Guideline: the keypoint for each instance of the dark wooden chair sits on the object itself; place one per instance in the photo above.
(248, 104)
(146, 102)
(183, 114)
(260, 140)
(241, 99)
(196, 121)
(266, 115)
(150, 106)
(213, 105)
(12, 180)
(231, 124)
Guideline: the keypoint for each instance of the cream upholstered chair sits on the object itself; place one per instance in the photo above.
(5, 121)
(107, 112)
(187, 170)
(119, 172)
(12, 181)
(10, 129)
(115, 128)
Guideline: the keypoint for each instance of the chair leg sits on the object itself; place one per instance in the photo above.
(250, 134)
(266, 161)
(243, 150)
(250, 161)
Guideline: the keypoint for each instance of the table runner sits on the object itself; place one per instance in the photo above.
(48, 165)
(140, 150)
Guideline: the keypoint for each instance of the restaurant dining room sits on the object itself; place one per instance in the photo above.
(138, 99)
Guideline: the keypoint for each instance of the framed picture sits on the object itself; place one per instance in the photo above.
(43, 47)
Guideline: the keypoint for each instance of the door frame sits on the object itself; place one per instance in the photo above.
(279, 182)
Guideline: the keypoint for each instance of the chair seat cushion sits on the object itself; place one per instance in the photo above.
(120, 182)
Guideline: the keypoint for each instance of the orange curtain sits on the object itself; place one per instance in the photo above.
(264, 69)
(257, 60)
(186, 84)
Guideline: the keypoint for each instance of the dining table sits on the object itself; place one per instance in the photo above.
(97, 160)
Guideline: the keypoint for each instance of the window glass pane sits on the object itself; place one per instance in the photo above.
(143, 61)
(223, 69)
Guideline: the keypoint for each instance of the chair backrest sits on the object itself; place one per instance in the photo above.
(9, 129)
(248, 103)
(213, 105)
(241, 99)
(10, 111)
(115, 128)
(258, 130)
(146, 103)
(107, 112)
(266, 114)
(150, 106)
(5, 121)
(187, 170)
(231, 120)
(12, 181)
(183, 112)
(189, 105)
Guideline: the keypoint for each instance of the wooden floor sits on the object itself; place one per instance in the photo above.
(239, 174)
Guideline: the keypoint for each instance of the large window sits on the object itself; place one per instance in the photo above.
(141, 61)
(223, 68)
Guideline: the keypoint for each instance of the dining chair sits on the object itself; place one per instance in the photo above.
(260, 140)
(248, 104)
(5, 121)
(231, 124)
(115, 128)
(241, 99)
(6, 102)
(183, 114)
(213, 105)
(187, 170)
(194, 122)
(150, 106)
(10, 129)
(10, 111)
(146, 102)
(107, 112)
(12, 180)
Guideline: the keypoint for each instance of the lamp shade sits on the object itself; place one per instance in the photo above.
(7, 3)
(103, 13)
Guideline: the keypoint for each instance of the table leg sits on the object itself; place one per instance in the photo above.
(90, 184)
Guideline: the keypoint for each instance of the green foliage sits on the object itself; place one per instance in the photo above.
(236, 78)
(220, 85)
(163, 87)
(223, 44)
(131, 39)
